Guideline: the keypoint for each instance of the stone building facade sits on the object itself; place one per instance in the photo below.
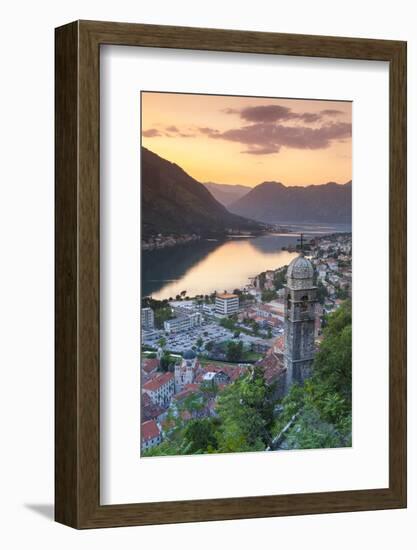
(186, 370)
(160, 389)
(300, 314)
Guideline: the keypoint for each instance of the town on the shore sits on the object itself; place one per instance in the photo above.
(193, 348)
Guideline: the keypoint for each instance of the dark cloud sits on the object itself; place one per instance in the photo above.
(256, 150)
(152, 132)
(331, 112)
(266, 130)
(279, 113)
(170, 131)
(174, 131)
(309, 117)
(265, 139)
(266, 113)
(230, 111)
(208, 131)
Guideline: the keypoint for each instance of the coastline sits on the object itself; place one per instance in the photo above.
(160, 241)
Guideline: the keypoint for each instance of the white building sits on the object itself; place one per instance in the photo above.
(148, 318)
(148, 335)
(160, 389)
(151, 435)
(214, 378)
(182, 322)
(227, 304)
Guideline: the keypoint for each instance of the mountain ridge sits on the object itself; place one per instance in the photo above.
(173, 202)
(273, 202)
(226, 194)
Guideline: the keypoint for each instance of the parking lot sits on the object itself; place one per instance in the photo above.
(187, 339)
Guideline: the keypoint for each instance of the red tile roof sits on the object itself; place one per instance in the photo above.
(146, 400)
(150, 430)
(273, 367)
(189, 389)
(150, 410)
(159, 381)
(192, 387)
(150, 364)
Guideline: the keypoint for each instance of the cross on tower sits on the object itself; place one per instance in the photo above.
(301, 241)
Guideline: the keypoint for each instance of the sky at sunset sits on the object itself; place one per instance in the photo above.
(248, 140)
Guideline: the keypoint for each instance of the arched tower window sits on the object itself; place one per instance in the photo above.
(304, 303)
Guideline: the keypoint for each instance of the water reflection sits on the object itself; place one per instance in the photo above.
(203, 267)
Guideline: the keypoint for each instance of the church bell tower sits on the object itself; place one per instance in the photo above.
(299, 311)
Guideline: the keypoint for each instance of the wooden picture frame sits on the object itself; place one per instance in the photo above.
(77, 382)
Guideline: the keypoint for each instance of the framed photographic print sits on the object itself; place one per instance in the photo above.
(230, 274)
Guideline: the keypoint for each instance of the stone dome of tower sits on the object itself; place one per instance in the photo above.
(300, 269)
(189, 354)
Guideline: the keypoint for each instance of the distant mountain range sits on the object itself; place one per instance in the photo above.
(175, 203)
(273, 202)
(226, 194)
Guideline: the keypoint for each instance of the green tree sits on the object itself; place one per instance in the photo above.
(268, 295)
(246, 297)
(209, 389)
(166, 361)
(333, 362)
(154, 304)
(280, 278)
(162, 314)
(209, 345)
(321, 292)
(245, 410)
(228, 322)
(166, 448)
(162, 342)
(193, 403)
(234, 351)
(311, 432)
(341, 293)
(200, 436)
(323, 405)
